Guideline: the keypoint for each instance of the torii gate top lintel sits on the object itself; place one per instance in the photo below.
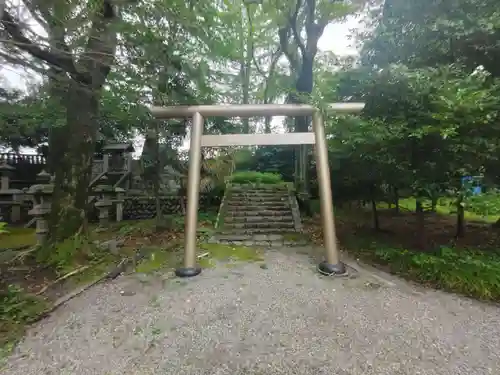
(249, 110)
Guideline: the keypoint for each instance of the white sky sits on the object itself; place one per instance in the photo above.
(336, 38)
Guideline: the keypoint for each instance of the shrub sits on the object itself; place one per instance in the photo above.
(3, 228)
(256, 177)
(472, 273)
(17, 308)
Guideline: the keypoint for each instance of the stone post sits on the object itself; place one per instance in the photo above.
(10, 199)
(105, 162)
(120, 198)
(42, 198)
(5, 173)
(104, 203)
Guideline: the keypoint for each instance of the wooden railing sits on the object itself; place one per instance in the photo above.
(12, 158)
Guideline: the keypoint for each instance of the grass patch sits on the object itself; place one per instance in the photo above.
(473, 273)
(222, 252)
(17, 237)
(17, 310)
(445, 206)
(160, 258)
(252, 177)
(96, 270)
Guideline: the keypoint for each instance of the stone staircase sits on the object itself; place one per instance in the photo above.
(264, 215)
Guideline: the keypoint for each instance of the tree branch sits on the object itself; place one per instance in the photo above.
(272, 67)
(284, 45)
(31, 6)
(60, 60)
(17, 60)
(313, 29)
(100, 51)
(293, 26)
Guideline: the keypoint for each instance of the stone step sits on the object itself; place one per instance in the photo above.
(250, 243)
(249, 225)
(267, 240)
(256, 210)
(245, 231)
(259, 195)
(243, 237)
(256, 219)
(261, 189)
(269, 201)
(260, 212)
(261, 204)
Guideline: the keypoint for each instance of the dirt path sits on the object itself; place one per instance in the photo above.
(285, 319)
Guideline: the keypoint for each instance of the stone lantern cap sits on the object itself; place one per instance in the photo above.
(103, 203)
(4, 167)
(11, 192)
(43, 177)
(41, 189)
(39, 210)
(104, 189)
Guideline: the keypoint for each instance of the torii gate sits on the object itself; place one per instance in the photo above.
(332, 264)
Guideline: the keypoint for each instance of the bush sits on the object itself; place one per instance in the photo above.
(3, 228)
(17, 308)
(472, 273)
(256, 177)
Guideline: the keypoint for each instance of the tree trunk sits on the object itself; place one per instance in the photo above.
(396, 199)
(74, 143)
(246, 44)
(303, 86)
(460, 218)
(434, 202)
(157, 176)
(376, 222)
(419, 212)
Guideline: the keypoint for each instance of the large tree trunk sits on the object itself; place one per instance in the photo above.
(72, 145)
(73, 170)
(303, 88)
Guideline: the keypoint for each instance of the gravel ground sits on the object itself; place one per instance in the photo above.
(285, 319)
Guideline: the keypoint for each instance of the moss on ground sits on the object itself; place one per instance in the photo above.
(220, 252)
(160, 258)
(294, 236)
(17, 237)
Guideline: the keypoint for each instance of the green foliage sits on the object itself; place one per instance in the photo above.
(256, 177)
(270, 159)
(472, 273)
(17, 308)
(67, 255)
(435, 32)
(485, 204)
(3, 228)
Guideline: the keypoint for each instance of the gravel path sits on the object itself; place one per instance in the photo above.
(285, 319)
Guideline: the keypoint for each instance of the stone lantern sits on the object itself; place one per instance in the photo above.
(42, 200)
(105, 195)
(10, 199)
